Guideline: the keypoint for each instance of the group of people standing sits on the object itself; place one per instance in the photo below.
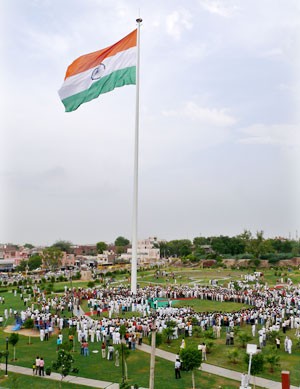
(38, 366)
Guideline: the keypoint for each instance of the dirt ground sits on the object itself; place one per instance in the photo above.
(23, 331)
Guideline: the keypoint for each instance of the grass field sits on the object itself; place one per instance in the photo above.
(138, 362)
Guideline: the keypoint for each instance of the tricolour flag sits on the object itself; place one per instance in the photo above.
(102, 71)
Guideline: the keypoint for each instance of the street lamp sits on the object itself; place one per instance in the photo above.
(251, 350)
(152, 358)
(6, 357)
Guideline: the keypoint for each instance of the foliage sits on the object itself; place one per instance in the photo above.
(13, 339)
(197, 331)
(233, 355)
(191, 357)
(101, 246)
(63, 245)
(125, 385)
(168, 333)
(28, 323)
(28, 246)
(34, 262)
(52, 257)
(63, 364)
(272, 335)
(272, 358)
(121, 241)
(209, 334)
(257, 363)
(158, 339)
(122, 330)
(244, 338)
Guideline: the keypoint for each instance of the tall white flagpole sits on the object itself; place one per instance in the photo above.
(136, 165)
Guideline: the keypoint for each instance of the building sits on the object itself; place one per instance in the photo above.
(146, 252)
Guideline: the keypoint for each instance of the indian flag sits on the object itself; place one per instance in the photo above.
(102, 71)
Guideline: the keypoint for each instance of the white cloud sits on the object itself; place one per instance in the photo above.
(276, 134)
(177, 22)
(210, 116)
(219, 7)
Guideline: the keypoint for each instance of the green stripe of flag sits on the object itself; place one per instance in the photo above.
(126, 76)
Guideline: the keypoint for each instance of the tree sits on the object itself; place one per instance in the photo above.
(121, 241)
(272, 358)
(168, 333)
(63, 245)
(244, 338)
(101, 246)
(158, 339)
(257, 364)
(28, 246)
(233, 355)
(200, 241)
(258, 245)
(191, 358)
(13, 340)
(34, 262)
(179, 248)
(63, 364)
(52, 257)
(22, 266)
(29, 324)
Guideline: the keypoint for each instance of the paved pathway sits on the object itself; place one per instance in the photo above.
(57, 377)
(212, 369)
(220, 371)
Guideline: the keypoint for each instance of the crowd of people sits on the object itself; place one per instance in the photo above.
(269, 309)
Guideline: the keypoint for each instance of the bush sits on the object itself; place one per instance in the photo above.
(233, 355)
(28, 323)
(125, 385)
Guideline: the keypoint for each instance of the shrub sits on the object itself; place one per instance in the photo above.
(233, 355)
(28, 323)
(48, 370)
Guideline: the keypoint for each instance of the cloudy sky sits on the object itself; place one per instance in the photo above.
(219, 121)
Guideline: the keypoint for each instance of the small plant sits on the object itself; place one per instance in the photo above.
(48, 370)
(125, 385)
(233, 355)
(28, 323)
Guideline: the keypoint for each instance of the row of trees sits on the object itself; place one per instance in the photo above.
(244, 245)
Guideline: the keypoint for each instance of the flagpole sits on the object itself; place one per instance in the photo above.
(136, 165)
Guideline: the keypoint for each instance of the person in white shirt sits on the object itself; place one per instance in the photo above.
(177, 369)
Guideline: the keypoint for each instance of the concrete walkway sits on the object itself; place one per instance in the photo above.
(212, 369)
(57, 377)
(220, 371)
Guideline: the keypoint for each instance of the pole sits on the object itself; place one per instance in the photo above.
(6, 357)
(135, 175)
(249, 369)
(152, 358)
(123, 374)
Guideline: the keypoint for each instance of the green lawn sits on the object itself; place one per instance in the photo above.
(20, 381)
(138, 362)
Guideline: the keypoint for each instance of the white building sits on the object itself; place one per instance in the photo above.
(146, 251)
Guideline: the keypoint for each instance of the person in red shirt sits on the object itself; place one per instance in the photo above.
(42, 365)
